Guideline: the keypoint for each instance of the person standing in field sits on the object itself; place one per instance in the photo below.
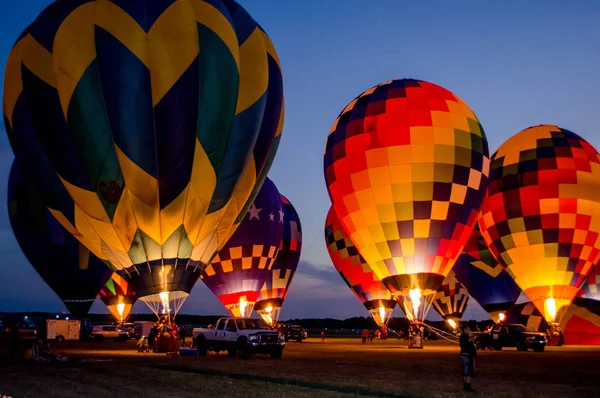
(468, 352)
(365, 335)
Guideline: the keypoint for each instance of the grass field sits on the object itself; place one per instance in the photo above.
(336, 367)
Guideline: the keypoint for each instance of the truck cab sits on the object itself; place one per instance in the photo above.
(512, 335)
(241, 337)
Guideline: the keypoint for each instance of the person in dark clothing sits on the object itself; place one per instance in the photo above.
(468, 352)
(182, 334)
(15, 337)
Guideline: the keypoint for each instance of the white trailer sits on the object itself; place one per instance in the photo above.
(61, 330)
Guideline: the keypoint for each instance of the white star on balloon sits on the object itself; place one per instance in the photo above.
(271, 216)
(253, 211)
(280, 216)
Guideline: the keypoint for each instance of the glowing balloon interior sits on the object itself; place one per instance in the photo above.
(118, 297)
(541, 218)
(239, 271)
(275, 289)
(357, 274)
(161, 120)
(406, 165)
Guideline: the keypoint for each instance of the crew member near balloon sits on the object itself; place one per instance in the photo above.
(357, 274)
(541, 217)
(485, 279)
(468, 353)
(239, 271)
(275, 289)
(159, 119)
(406, 165)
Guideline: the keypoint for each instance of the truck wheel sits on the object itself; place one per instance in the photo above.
(521, 347)
(299, 340)
(498, 347)
(232, 350)
(277, 354)
(242, 351)
(60, 339)
(202, 346)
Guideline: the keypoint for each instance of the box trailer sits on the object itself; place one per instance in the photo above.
(61, 330)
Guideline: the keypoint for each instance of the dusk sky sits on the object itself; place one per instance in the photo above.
(515, 63)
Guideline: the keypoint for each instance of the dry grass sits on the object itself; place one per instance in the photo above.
(333, 368)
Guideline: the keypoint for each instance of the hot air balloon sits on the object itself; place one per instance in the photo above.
(406, 165)
(541, 217)
(161, 120)
(591, 288)
(118, 297)
(357, 274)
(485, 279)
(451, 300)
(278, 282)
(64, 264)
(239, 271)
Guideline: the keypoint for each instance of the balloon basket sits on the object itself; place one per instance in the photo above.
(415, 342)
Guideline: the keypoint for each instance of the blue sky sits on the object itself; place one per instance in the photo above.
(516, 63)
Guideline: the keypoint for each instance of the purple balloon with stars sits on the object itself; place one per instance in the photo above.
(241, 268)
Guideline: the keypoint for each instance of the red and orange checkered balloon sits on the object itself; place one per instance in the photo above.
(541, 218)
(357, 274)
(406, 165)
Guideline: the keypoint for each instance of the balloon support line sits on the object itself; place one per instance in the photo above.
(439, 333)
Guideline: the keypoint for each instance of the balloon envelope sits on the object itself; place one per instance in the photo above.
(451, 300)
(485, 279)
(541, 217)
(118, 297)
(276, 287)
(406, 165)
(239, 271)
(161, 119)
(357, 274)
(64, 264)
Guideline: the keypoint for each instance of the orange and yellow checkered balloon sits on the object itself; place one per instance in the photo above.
(541, 218)
(406, 165)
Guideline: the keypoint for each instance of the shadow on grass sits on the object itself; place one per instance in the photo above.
(285, 382)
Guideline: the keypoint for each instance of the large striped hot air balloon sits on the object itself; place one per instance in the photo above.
(541, 217)
(485, 279)
(357, 274)
(118, 297)
(406, 165)
(161, 119)
(276, 287)
(239, 271)
(64, 264)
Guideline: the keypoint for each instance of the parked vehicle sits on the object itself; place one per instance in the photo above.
(111, 332)
(292, 332)
(142, 328)
(241, 337)
(61, 330)
(511, 335)
(128, 327)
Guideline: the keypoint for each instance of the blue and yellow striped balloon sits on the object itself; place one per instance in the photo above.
(161, 120)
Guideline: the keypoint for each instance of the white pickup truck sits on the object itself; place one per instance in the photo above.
(241, 337)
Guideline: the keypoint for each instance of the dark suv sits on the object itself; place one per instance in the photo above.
(512, 335)
(292, 332)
